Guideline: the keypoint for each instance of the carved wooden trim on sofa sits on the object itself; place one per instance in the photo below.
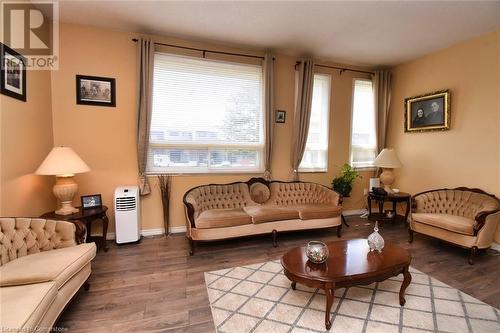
(480, 218)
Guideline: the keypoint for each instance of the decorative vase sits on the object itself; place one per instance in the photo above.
(317, 252)
(375, 241)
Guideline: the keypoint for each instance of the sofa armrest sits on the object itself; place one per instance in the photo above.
(481, 218)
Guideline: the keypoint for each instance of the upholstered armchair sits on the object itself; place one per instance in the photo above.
(462, 216)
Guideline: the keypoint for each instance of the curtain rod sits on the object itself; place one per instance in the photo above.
(206, 51)
(341, 69)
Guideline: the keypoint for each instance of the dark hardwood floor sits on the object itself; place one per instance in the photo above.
(154, 286)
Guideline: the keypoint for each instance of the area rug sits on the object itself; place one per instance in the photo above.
(258, 298)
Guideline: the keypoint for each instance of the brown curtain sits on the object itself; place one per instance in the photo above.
(145, 57)
(269, 112)
(382, 105)
(302, 113)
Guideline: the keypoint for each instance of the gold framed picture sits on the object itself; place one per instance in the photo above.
(429, 112)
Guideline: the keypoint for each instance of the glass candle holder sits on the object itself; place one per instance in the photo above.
(317, 252)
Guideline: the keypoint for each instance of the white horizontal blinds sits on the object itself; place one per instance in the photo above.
(363, 133)
(316, 153)
(207, 116)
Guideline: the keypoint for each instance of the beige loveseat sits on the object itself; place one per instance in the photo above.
(462, 216)
(42, 267)
(221, 211)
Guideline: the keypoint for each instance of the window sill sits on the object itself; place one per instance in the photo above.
(204, 173)
(313, 171)
(372, 168)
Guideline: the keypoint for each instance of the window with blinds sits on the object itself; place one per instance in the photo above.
(315, 157)
(363, 133)
(207, 116)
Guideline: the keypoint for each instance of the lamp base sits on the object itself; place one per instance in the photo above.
(65, 190)
(387, 178)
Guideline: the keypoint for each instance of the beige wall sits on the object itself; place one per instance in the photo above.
(468, 154)
(26, 138)
(105, 137)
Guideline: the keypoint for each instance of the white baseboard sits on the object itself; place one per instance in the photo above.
(353, 212)
(496, 247)
(148, 232)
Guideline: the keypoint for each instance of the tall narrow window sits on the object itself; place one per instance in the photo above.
(207, 116)
(363, 133)
(315, 157)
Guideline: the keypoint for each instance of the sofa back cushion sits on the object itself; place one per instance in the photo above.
(297, 193)
(22, 236)
(207, 197)
(455, 202)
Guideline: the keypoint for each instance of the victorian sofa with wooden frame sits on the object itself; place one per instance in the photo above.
(41, 269)
(462, 216)
(256, 207)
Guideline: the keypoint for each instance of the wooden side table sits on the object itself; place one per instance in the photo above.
(86, 217)
(391, 197)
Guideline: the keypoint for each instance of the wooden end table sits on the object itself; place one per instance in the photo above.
(350, 264)
(391, 197)
(86, 217)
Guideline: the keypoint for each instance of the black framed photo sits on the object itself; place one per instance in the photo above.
(91, 201)
(13, 69)
(95, 90)
(280, 116)
(429, 112)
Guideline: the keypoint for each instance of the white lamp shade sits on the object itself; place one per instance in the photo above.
(387, 159)
(62, 161)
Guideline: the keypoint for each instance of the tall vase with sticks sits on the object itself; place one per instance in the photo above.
(165, 183)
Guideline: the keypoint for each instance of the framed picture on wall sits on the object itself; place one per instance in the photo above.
(280, 116)
(13, 72)
(429, 112)
(95, 90)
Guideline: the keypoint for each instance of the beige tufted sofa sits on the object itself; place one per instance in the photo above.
(42, 267)
(221, 211)
(462, 216)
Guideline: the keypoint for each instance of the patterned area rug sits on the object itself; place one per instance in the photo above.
(258, 298)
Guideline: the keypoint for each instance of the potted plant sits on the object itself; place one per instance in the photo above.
(343, 183)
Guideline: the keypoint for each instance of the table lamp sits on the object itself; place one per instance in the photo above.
(387, 160)
(63, 163)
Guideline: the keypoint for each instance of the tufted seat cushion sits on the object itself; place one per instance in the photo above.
(220, 218)
(23, 307)
(57, 265)
(270, 213)
(455, 223)
(318, 211)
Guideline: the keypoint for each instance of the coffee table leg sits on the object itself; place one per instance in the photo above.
(329, 301)
(294, 285)
(404, 285)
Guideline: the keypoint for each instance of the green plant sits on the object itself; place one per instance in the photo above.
(343, 183)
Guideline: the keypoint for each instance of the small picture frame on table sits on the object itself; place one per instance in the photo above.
(91, 201)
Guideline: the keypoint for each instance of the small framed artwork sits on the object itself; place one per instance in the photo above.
(13, 81)
(91, 201)
(429, 112)
(280, 116)
(95, 90)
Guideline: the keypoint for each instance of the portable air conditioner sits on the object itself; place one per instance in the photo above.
(127, 214)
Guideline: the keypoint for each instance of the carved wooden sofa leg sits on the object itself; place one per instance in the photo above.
(191, 246)
(275, 236)
(472, 254)
(339, 230)
(86, 285)
(410, 235)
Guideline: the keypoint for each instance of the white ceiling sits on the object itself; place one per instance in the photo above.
(361, 33)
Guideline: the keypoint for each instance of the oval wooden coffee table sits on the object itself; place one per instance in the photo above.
(350, 263)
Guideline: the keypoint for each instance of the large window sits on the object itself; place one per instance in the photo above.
(363, 133)
(207, 116)
(316, 154)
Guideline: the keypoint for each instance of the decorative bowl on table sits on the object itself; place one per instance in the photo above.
(317, 252)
